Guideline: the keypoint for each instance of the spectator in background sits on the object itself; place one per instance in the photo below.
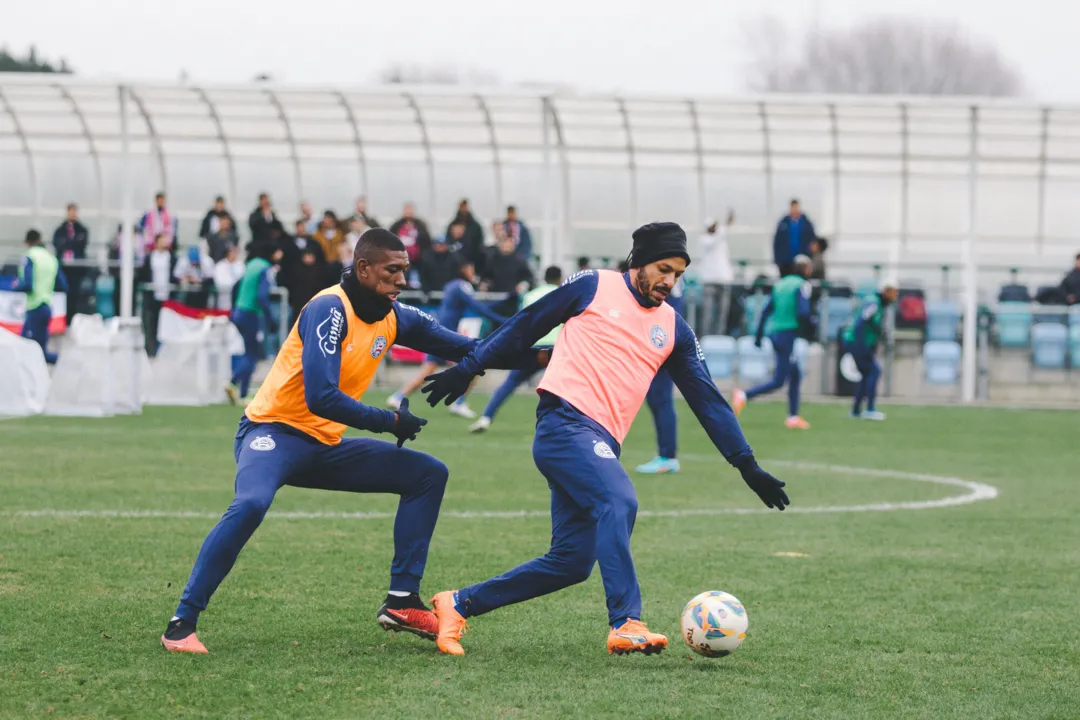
(227, 272)
(794, 233)
(583, 263)
(818, 246)
(472, 244)
(222, 238)
(307, 216)
(341, 259)
(251, 312)
(158, 221)
(439, 266)
(70, 241)
(71, 238)
(39, 275)
(262, 220)
(716, 273)
(328, 235)
(362, 214)
(306, 279)
(1069, 290)
(413, 232)
(157, 273)
(357, 226)
(294, 270)
(520, 232)
(214, 218)
(507, 273)
(194, 271)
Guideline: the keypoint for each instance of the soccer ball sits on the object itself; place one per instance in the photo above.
(714, 624)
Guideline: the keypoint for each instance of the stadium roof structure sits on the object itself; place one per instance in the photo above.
(880, 176)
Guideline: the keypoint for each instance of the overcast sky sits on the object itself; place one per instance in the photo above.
(647, 46)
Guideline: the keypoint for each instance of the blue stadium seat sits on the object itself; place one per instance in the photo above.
(1074, 343)
(755, 364)
(719, 355)
(1049, 345)
(941, 361)
(1013, 324)
(1074, 316)
(837, 312)
(942, 318)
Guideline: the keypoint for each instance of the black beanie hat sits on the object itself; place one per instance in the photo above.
(657, 241)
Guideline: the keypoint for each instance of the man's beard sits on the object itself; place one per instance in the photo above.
(642, 283)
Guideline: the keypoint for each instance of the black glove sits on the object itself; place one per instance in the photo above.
(768, 488)
(407, 426)
(447, 385)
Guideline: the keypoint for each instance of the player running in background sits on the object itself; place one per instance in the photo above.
(456, 301)
(39, 276)
(789, 307)
(661, 402)
(250, 313)
(516, 378)
(861, 338)
(618, 333)
(291, 434)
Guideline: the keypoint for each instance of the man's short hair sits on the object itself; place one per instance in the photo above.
(794, 201)
(160, 194)
(72, 206)
(511, 208)
(374, 242)
(583, 262)
(553, 275)
(33, 237)
(219, 199)
(1078, 256)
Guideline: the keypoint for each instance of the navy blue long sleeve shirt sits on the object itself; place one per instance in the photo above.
(457, 300)
(686, 364)
(321, 358)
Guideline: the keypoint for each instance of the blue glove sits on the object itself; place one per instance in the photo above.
(768, 488)
(447, 385)
(407, 426)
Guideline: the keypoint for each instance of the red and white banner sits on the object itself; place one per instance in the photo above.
(13, 310)
(178, 321)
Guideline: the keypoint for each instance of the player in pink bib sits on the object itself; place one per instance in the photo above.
(618, 333)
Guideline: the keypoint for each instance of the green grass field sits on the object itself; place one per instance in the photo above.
(964, 611)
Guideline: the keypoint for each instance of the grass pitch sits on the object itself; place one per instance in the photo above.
(962, 611)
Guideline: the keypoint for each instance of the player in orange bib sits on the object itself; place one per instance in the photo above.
(291, 434)
(618, 334)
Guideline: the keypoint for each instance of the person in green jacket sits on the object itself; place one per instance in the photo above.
(39, 276)
(861, 338)
(789, 307)
(516, 378)
(251, 308)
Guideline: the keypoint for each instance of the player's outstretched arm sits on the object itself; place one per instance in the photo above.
(505, 346)
(322, 326)
(687, 367)
(420, 331)
(765, 313)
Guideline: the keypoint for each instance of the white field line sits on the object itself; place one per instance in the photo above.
(975, 492)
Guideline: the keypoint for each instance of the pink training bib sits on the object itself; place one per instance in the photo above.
(607, 357)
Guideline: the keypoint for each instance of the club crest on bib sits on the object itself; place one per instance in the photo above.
(658, 336)
(263, 443)
(378, 347)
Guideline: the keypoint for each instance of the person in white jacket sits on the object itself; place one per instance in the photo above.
(716, 271)
(227, 272)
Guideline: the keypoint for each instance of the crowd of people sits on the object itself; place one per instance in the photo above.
(314, 249)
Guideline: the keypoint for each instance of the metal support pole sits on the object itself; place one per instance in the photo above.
(547, 244)
(127, 240)
(970, 268)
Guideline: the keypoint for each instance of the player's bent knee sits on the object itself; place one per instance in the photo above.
(253, 506)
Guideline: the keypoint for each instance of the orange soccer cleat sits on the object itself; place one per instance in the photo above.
(180, 637)
(738, 401)
(416, 620)
(452, 624)
(795, 422)
(632, 636)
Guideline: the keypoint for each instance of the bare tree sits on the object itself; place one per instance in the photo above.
(881, 56)
(399, 73)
